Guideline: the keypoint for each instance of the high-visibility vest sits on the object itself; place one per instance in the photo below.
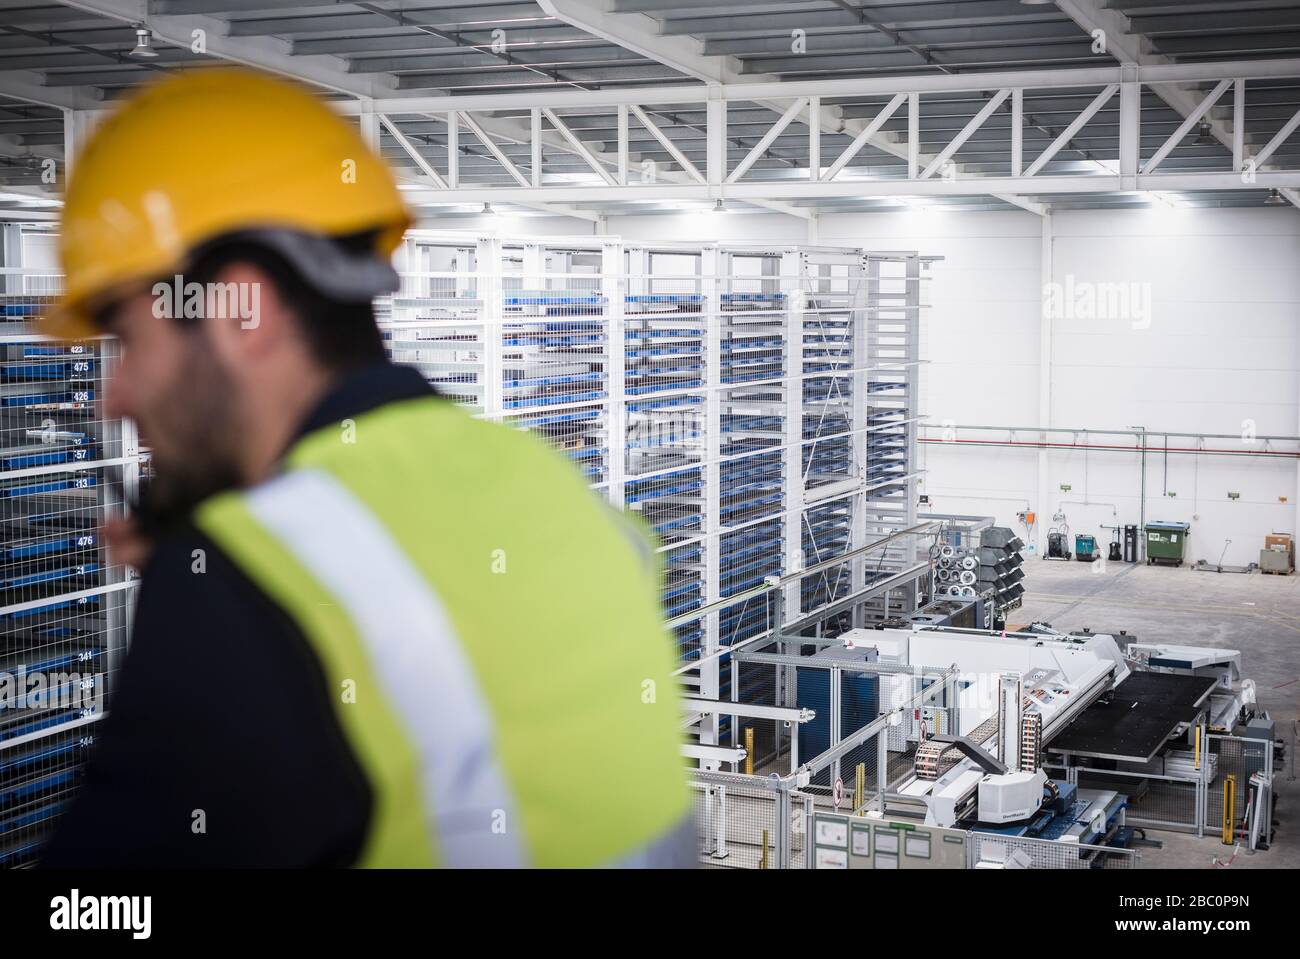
(491, 635)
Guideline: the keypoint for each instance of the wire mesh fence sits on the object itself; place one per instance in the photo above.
(739, 825)
(991, 851)
(1239, 758)
(1158, 801)
(64, 604)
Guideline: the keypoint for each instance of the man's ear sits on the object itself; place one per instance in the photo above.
(249, 317)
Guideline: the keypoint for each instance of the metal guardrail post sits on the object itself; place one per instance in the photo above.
(783, 829)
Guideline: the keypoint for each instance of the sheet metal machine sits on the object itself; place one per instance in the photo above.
(1084, 694)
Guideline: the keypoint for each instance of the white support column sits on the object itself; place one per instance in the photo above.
(1017, 131)
(614, 288)
(487, 264)
(711, 267)
(370, 128)
(793, 274)
(622, 143)
(814, 138)
(77, 125)
(716, 140)
(1044, 507)
(913, 135)
(1130, 129)
(453, 149)
(1238, 125)
(535, 143)
(860, 358)
(11, 257)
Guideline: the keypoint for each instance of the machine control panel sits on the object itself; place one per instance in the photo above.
(869, 842)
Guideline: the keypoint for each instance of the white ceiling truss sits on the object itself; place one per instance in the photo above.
(589, 107)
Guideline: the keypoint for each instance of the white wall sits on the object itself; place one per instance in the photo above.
(1221, 347)
(1221, 352)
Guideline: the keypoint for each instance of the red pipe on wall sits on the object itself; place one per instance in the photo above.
(1113, 448)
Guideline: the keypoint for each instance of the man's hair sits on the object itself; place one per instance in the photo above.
(339, 335)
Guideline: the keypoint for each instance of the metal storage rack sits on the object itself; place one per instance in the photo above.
(64, 609)
(754, 405)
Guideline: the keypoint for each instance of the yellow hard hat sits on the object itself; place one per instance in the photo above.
(200, 154)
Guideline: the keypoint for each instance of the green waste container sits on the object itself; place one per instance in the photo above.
(1166, 542)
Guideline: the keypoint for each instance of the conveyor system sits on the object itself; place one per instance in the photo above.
(1025, 694)
(1057, 678)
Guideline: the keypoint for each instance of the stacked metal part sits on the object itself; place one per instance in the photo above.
(957, 573)
(62, 609)
(1000, 567)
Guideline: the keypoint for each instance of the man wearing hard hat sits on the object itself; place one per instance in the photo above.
(372, 629)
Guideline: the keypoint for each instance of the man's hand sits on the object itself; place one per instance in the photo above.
(126, 543)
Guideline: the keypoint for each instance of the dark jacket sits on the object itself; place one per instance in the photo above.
(221, 747)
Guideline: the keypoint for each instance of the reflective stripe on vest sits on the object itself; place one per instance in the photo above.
(422, 671)
(415, 704)
(492, 629)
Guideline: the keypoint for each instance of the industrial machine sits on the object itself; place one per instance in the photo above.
(1026, 694)
(1085, 547)
(1116, 551)
(1058, 545)
(1130, 543)
(1058, 538)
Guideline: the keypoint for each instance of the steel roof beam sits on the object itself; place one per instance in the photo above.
(268, 53)
(795, 190)
(751, 90)
(1131, 50)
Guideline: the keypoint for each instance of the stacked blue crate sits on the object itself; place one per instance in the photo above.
(663, 362)
(751, 475)
(555, 372)
(51, 516)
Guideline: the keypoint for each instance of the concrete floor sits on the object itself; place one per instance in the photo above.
(1255, 613)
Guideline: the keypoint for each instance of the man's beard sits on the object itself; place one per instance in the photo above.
(197, 435)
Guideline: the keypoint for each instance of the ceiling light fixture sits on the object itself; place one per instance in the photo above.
(143, 44)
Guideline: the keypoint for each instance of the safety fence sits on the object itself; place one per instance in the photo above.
(993, 851)
(1183, 790)
(1239, 758)
(756, 822)
(1156, 801)
(749, 822)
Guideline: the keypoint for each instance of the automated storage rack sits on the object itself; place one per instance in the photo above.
(755, 405)
(63, 607)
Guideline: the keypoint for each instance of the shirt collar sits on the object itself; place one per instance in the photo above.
(361, 390)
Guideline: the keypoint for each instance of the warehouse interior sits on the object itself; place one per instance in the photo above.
(950, 349)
